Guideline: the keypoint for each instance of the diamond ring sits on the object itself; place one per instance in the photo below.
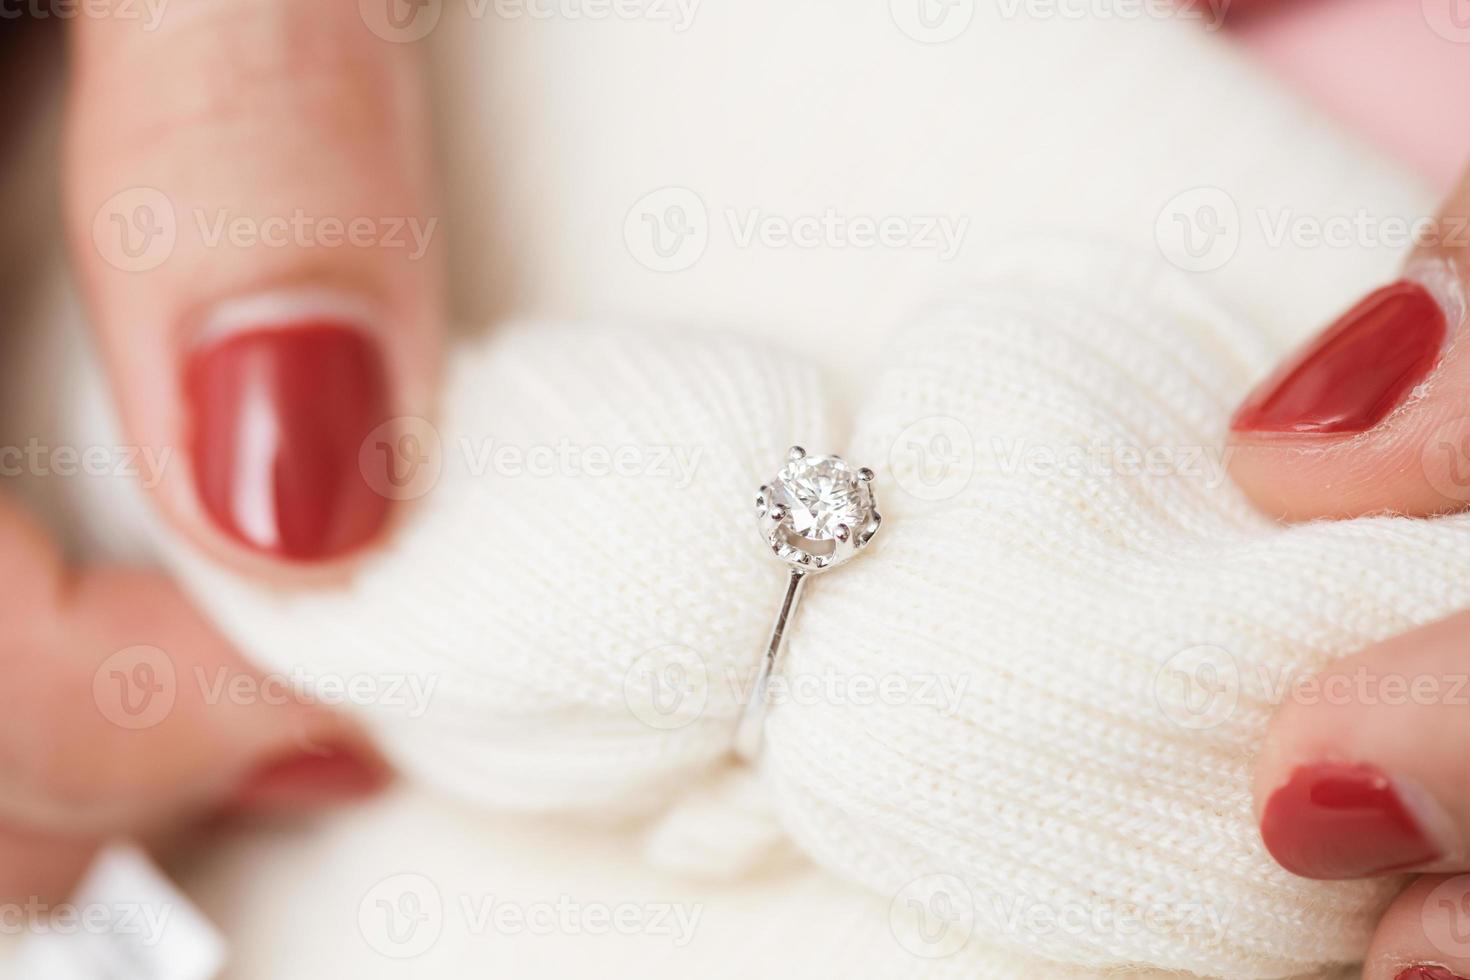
(816, 514)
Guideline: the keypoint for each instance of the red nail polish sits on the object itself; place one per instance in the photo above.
(279, 416)
(1428, 973)
(1333, 820)
(1351, 376)
(326, 776)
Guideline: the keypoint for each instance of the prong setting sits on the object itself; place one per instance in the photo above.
(818, 511)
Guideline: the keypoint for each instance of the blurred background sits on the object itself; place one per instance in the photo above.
(556, 131)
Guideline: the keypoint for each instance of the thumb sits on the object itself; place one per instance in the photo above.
(1373, 414)
(248, 187)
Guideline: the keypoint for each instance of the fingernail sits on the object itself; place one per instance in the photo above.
(1428, 973)
(329, 775)
(1334, 820)
(1357, 371)
(281, 395)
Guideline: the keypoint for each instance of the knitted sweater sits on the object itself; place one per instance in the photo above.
(1027, 713)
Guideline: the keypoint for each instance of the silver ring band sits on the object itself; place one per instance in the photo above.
(816, 514)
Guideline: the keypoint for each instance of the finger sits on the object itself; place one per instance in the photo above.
(36, 865)
(248, 198)
(1425, 935)
(1363, 770)
(1373, 415)
(124, 713)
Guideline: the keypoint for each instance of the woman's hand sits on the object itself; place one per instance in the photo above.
(249, 204)
(1373, 776)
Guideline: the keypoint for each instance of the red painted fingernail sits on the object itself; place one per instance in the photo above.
(326, 776)
(1428, 973)
(1352, 375)
(1333, 820)
(278, 418)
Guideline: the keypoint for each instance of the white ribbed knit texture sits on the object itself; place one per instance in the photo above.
(1075, 778)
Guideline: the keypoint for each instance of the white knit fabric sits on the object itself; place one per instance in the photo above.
(1040, 755)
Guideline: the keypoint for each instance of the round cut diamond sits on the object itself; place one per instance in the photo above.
(821, 494)
(818, 512)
